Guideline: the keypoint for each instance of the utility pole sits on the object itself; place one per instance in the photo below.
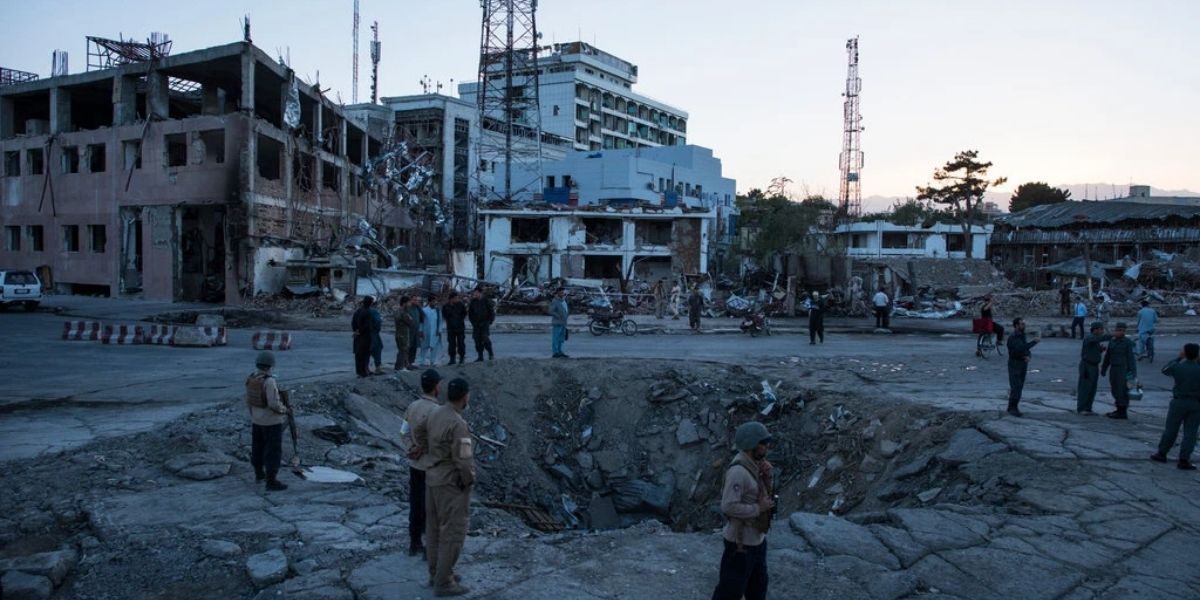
(354, 82)
(376, 51)
(851, 159)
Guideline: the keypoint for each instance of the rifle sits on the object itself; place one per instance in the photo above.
(291, 419)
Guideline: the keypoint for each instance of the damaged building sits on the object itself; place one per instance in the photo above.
(191, 176)
(602, 244)
(1038, 245)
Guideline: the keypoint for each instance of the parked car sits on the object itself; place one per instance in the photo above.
(20, 287)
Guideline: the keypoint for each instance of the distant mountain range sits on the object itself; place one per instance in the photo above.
(1079, 191)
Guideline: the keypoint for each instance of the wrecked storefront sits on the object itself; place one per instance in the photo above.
(191, 177)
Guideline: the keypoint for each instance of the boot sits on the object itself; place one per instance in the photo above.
(451, 361)
(415, 549)
(1156, 457)
(259, 476)
(274, 485)
(454, 589)
(462, 359)
(1185, 466)
(1013, 410)
(480, 359)
(1118, 414)
(491, 355)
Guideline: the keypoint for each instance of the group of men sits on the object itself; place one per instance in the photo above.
(418, 330)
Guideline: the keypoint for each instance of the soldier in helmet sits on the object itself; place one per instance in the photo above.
(267, 416)
(747, 501)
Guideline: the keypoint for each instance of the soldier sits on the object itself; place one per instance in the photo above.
(747, 501)
(267, 416)
(1089, 368)
(1184, 409)
(448, 495)
(455, 315)
(1018, 364)
(481, 314)
(419, 459)
(360, 323)
(1120, 363)
(404, 327)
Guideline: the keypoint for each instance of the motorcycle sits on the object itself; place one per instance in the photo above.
(756, 323)
(602, 322)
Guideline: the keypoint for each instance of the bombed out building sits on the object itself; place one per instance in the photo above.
(191, 176)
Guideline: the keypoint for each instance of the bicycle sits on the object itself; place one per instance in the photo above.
(986, 342)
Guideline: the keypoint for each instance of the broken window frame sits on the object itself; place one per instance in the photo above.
(97, 156)
(70, 238)
(529, 230)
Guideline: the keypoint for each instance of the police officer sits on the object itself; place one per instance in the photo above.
(455, 314)
(746, 500)
(449, 480)
(481, 314)
(1120, 362)
(1185, 407)
(1089, 368)
(267, 416)
(1018, 364)
(419, 459)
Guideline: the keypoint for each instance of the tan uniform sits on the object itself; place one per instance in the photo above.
(448, 491)
(748, 524)
(414, 434)
(262, 396)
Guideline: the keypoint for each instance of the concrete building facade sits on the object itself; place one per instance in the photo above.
(881, 239)
(586, 95)
(600, 244)
(194, 176)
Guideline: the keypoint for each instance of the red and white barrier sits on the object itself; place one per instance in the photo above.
(216, 335)
(162, 335)
(123, 334)
(81, 330)
(271, 340)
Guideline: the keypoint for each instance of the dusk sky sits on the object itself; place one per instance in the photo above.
(1057, 91)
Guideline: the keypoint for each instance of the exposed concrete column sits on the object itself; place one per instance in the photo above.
(124, 100)
(347, 203)
(629, 235)
(157, 96)
(318, 165)
(7, 118)
(60, 110)
(246, 103)
(212, 100)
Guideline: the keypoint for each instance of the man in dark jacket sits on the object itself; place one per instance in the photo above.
(1089, 368)
(816, 318)
(1120, 363)
(695, 305)
(363, 330)
(414, 334)
(1185, 407)
(481, 314)
(455, 315)
(404, 327)
(1018, 364)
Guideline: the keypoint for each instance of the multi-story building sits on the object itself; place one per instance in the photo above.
(881, 239)
(586, 95)
(192, 176)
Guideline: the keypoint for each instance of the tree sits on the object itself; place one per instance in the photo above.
(1036, 194)
(964, 181)
(780, 224)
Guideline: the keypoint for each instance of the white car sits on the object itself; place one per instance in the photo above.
(20, 287)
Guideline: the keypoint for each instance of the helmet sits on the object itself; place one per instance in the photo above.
(266, 358)
(749, 435)
(1097, 325)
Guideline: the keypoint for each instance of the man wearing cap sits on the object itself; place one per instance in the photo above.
(559, 313)
(455, 314)
(267, 416)
(747, 501)
(450, 479)
(481, 314)
(1120, 363)
(1184, 409)
(414, 440)
(1089, 368)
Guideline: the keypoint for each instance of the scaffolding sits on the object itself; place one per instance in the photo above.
(103, 53)
(13, 76)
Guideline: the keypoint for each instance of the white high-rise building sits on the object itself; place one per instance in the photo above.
(586, 95)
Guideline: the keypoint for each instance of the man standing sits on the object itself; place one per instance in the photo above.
(448, 496)
(1185, 407)
(746, 500)
(1080, 316)
(558, 323)
(1147, 323)
(404, 326)
(482, 314)
(267, 416)
(431, 331)
(455, 315)
(660, 298)
(1089, 368)
(377, 339)
(414, 338)
(816, 318)
(882, 309)
(695, 305)
(675, 293)
(360, 323)
(419, 458)
(1064, 300)
(1120, 362)
(1018, 364)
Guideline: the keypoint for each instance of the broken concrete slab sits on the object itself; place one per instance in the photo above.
(18, 585)
(602, 514)
(837, 536)
(387, 422)
(200, 466)
(53, 565)
(267, 568)
(939, 530)
(914, 467)
(389, 576)
(220, 549)
(968, 445)
(229, 507)
(687, 433)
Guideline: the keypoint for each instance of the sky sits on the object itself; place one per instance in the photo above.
(1058, 91)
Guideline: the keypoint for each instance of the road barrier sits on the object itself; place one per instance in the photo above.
(162, 335)
(216, 334)
(271, 340)
(123, 334)
(81, 330)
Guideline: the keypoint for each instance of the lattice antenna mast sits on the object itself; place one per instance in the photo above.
(376, 51)
(354, 81)
(851, 159)
(510, 120)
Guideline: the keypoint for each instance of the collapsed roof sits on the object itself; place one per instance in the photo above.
(1062, 214)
